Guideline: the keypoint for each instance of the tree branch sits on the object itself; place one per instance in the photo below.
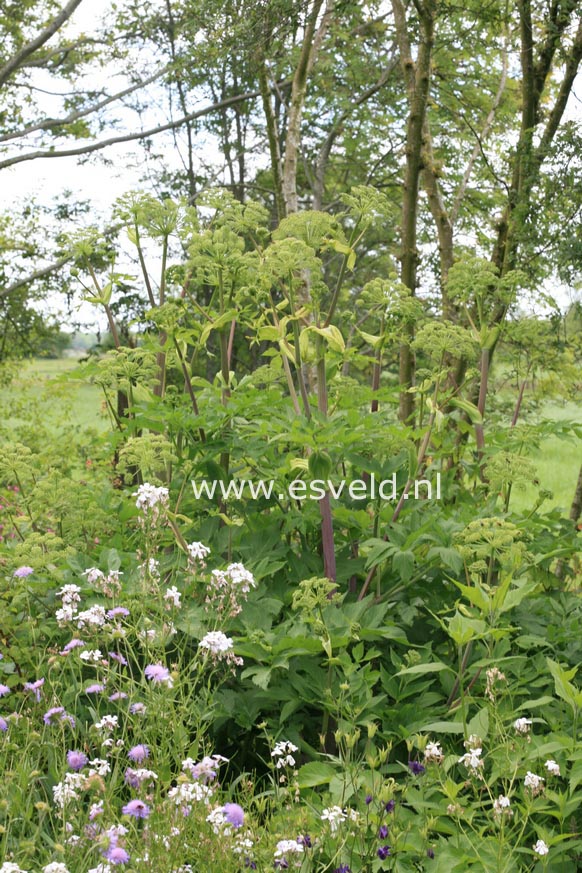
(27, 50)
(131, 137)
(81, 113)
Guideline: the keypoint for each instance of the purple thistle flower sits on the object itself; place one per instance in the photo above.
(389, 807)
(74, 644)
(157, 673)
(23, 572)
(383, 832)
(48, 716)
(416, 767)
(234, 814)
(137, 707)
(383, 852)
(139, 753)
(95, 688)
(117, 610)
(117, 855)
(119, 658)
(76, 760)
(4, 690)
(3, 724)
(35, 687)
(136, 808)
(118, 695)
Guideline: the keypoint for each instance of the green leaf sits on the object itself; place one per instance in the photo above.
(315, 773)
(433, 667)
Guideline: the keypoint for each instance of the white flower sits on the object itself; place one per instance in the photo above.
(67, 789)
(552, 767)
(216, 642)
(96, 616)
(433, 752)
(288, 847)
(93, 574)
(502, 806)
(9, 867)
(69, 594)
(472, 760)
(198, 552)
(541, 848)
(67, 613)
(172, 597)
(101, 868)
(191, 792)
(55, 867)
(107, 723)
(335, 816)
(535, 783)
(217, 819)
(240, 577)
(91, 655)
(282, 752)
(99, 767)
(149, 496)
(522, 725)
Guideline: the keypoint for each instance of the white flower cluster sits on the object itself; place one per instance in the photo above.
(70, 596)
(9, 867)
(552, 767)
(94, 617)
(186, 793)
(433, 752)
(335, 816)
(205, 770)
(94, 655)
(502, 806)
(522, 725)
(540, 848)
(228, 589)
(67, 789)
(107, 723)
(534, 783)
(282, 754)
(109, 585)
(172, 597)
(55, 867)
(151, 501)
(288, 847)
(197, 554)
(220, 647)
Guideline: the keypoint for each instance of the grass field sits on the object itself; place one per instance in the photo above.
(45, 388)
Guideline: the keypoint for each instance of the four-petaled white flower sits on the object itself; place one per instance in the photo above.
(552, 767)
(433, 752)
(335, 816)
(282, 752)
(534, 783)
(541, 848)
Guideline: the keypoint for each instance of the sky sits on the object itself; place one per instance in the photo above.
(100, 182)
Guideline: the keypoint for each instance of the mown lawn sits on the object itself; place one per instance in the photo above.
(45, 390)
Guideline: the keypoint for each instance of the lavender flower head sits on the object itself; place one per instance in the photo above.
(234, 814)
(76, 760)
(157, 673)
(138, 753)
(23, 572)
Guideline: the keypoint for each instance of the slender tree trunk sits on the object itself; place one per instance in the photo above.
(417, 79)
